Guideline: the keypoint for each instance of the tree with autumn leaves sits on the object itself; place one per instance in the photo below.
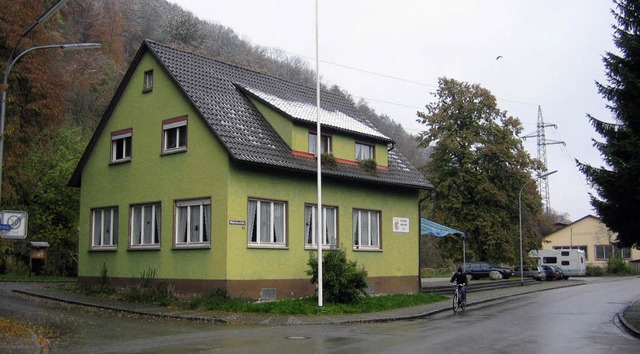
(478, 167)
(42, 143)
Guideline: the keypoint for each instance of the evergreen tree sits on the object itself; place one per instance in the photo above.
(617, 184)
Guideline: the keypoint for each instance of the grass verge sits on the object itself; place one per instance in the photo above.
(220, 301)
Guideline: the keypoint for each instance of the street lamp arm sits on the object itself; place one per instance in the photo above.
(47, 15)
(72, 46)
(3, 88)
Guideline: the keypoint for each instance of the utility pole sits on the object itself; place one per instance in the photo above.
(543, 182)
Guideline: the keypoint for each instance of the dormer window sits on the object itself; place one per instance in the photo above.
(148, 81)
(121, 146)
(325, 141)
(174, 135)
(364, 151)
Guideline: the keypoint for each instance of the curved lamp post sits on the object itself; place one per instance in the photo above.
(520, 211)
(13, 59)
(72, 46)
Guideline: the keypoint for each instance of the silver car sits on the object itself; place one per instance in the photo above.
(530, 271)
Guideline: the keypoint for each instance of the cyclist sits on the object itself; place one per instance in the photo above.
(460, 278)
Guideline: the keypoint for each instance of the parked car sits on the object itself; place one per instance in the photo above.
(540, 275)
(530, 271)
(477, 270)
(561, 273)
(551, 273)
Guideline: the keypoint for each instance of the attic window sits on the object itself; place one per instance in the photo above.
(174, 135)
(364, 151)
(325, 141)
(148, 81)
(121, 146)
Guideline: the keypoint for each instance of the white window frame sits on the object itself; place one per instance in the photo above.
(104, 228)
(325, 141)
(178, 129)
(146, 225)
(121, 145)
(148, 81)
(258, 221)
(330, 219)
(606, 249)
(366, 237)
(186, 234)
(364, 151)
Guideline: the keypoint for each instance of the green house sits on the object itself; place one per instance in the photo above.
(204, 174)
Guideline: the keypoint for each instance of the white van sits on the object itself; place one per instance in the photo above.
(572, 261)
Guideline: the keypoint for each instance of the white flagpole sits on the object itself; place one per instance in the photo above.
(319, 218)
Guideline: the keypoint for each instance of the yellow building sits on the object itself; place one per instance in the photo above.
(593, 237)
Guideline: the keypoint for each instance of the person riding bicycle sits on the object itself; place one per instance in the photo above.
(460, 278)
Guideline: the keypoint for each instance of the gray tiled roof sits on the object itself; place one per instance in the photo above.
(217, 90)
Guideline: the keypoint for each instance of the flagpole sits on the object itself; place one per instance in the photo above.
(319, 218)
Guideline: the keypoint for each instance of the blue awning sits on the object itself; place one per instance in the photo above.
(430, 228)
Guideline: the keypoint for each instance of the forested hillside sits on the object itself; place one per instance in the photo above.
(55, 100)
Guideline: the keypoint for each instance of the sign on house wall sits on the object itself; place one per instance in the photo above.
(401, 225)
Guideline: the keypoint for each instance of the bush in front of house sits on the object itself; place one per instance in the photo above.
(617, 266)
(342, 280)
(593, 271)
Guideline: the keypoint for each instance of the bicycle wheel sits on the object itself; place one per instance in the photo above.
(455, 303)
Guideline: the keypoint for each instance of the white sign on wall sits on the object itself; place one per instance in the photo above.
(401, 225)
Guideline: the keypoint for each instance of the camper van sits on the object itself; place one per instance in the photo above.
(572, 261)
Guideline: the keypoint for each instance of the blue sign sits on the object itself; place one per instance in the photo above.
(5, 227)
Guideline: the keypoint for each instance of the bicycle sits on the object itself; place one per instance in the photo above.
(458, 303)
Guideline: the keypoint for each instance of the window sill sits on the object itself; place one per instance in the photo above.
(192, 247)
(118, 162)
(173, 151)
(324, 248)
(269, 247)
(144, 248)
(104, 249)
(366, 249)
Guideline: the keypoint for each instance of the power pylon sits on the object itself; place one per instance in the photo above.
(543, 183)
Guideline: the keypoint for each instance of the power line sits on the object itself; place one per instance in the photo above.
(392, 77)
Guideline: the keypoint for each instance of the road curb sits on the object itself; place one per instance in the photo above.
(291, 320)
(623, 319)
(124, 310)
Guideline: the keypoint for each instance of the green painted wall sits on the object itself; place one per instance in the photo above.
(282, 125)
(399, 255)
(205, 171)
(150, 177)
(297, 136)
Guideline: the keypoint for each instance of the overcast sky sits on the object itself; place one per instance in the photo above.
(392, 52)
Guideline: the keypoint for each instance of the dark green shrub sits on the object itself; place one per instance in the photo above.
(370, 166)
(617, 266)
(593, 271)
(342, 280)
(328, 160)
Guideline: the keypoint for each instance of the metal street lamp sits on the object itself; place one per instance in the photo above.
(10, 63)
(53, 10)
(520, 210)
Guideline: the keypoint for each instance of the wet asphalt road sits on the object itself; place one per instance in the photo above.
(566, 320)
